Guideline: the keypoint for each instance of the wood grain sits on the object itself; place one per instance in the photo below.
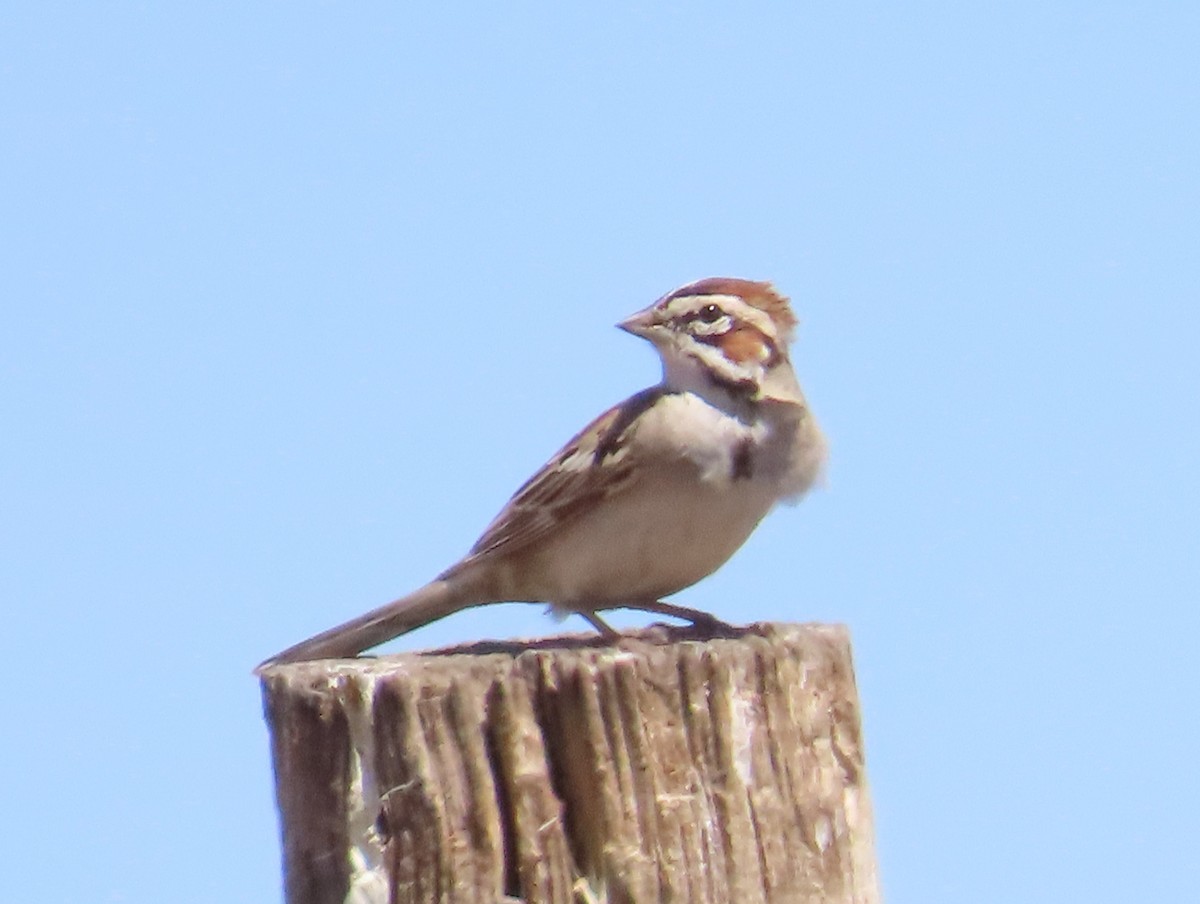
(667, 767)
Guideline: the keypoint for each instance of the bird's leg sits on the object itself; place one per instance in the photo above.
(697, 617)
(606, 630)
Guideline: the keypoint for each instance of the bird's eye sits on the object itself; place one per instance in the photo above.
(710, 313)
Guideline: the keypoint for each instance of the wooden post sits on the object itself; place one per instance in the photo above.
(667, 767)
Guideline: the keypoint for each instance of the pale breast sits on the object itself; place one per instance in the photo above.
(666, 533)
(702, 480)
(686, 426)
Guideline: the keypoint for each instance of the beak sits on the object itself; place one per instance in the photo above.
(640, 324)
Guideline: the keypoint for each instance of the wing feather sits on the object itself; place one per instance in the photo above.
(594, 466)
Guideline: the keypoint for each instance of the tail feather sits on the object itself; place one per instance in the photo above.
(433, 601)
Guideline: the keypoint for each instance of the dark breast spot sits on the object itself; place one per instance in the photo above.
(743, 461)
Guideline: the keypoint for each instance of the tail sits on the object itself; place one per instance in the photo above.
(435, 600)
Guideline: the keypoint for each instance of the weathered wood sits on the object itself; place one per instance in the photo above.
(667, 767)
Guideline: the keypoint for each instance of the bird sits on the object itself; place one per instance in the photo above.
(653, 495)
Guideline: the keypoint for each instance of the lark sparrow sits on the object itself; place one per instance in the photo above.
(655, 494)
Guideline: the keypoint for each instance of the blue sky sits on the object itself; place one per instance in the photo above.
(295, 295)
